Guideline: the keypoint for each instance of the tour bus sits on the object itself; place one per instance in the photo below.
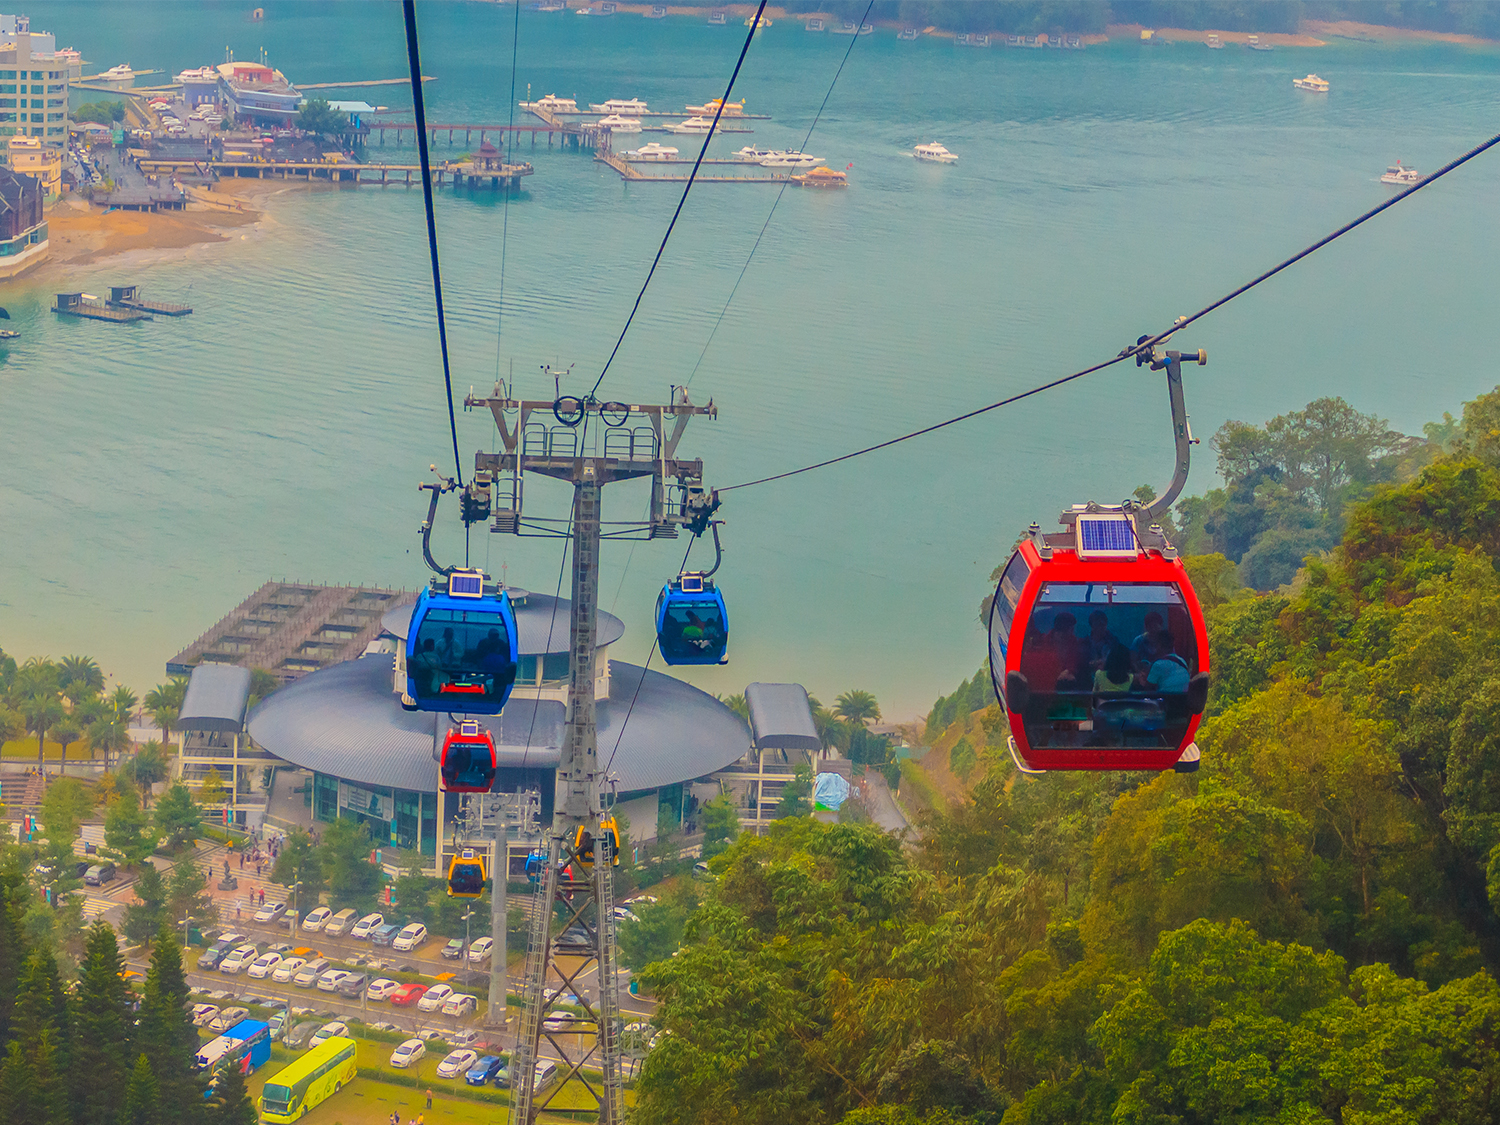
(303, 1085)
(247, 1045)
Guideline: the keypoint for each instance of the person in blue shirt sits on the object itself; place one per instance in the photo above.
(1168, 671)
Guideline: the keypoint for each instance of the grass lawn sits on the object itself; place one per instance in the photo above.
(26, 748)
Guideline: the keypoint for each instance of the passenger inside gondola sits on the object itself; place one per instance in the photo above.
(459, 656)
(691, 630)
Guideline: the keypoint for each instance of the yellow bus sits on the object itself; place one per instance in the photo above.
(325, 1070)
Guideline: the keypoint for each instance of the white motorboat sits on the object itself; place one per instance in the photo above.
(1400, 175)
(1215, 43)
(652, 151)
(698, 125)
(1312, 83)
(657, 12)
(709, 108)
(1255, 44)
(752, 155)
(553, 104)
(619, 105)
(934, 153)
(849, 27)
(789, 158)
(619, 123)
(816, 24)
(204, 74)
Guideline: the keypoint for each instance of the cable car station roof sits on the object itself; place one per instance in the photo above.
(216, 698)
(781, 717)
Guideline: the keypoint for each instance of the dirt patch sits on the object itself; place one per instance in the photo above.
(1188, 35)
(1372, 33)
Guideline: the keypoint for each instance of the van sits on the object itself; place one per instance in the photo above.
(99, 874)
(546, 1074)
(341, 923)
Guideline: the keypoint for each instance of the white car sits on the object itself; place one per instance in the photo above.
(335, 1030)
(308, 975)
(562, 1021)
(270, 911)
(624, 914)
(227, 1018)
(365, 925)
(237, 959)
(413, 1050)
(460, 1004)
(434, 997)
(263, 966)
(330, 980)
(204, 1014)
(316, 919)
(410, 937)
(456, 1063)
(480, 950)
(288, 968)
(381, 989)
(466, 1038)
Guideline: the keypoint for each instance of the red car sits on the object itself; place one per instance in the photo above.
(408, 994)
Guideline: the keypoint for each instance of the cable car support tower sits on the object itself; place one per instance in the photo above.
(551, 438)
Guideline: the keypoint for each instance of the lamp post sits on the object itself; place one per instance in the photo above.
(292, 925)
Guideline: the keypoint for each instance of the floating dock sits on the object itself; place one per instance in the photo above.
(632, 172)
(91, 308)
(129, 297)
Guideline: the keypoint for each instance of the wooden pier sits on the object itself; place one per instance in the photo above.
(384, 175)
(632, 172)
(91, 308)
(129, 297)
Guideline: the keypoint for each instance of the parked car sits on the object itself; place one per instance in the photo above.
(282, 947)
(238, 958)
(381, 988)
(289, 967)
(480, 949)
(330, 981)
(263, 966)
(700, 871)
(340, 923)
(502, 1076)
(433, 999)
(99, 874)
(384, 934)
(546, 1074)
(561, 1021)
(316, 919)
(204, 1014)
(299, 1035)
(277, 1024)
(483, 1071)
(460, 1004)
(625, 914)
(407, 995)
(457, 1062)
(353, 985)
(363, 927)
(410, 937)
(466, 1038)
(453, 951)
(227, 1018)
(308, 975)
(338, 1029)
(412, 1050)
(270, 912)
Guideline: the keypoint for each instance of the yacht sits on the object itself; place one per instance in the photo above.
(1215, 43)
(788, 158)
(652, 151)
(752, 155)
(1400, 175)
(553, 104)
(908, 34)
(1255, 44)
(716, 18)
(708, 109)
(619, 123)
(815, 24)
(1311, 83)
(692, 125)
(823, 178)
(657, 12)
(117, 76)
(849, 27)
(619, 105)
(203, 75)
(935, 153)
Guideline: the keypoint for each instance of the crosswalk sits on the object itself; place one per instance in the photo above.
(95, 905)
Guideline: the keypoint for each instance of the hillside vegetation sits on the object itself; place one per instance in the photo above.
(1303, 931)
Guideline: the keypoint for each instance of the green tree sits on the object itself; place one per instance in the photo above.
(212, 790)
(719, 821)
(166, 1033)
(109, 734)
(127, 831)
(164, 703)
(187, 894)
(41, 709)
(857, 707)
(231, 1104)
(413, 889)
(142, 1104)
(103, 1029)
(14, 892)
(301, 861)
(79, 678)
(796, 793)
(262, 684)
(352, 879)
(64, 807)
(178, 818)
(658, 930)
(144, 919)
(962, 759)
(146, 767)
(12, 724)
(737, 704)
(320, 119)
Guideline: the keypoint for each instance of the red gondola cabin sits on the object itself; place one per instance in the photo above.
(469, 761)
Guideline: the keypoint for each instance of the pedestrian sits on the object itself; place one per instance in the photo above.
(263, 896)
(260, 869)
(429, 1099)
(242, 861)
(236, 912)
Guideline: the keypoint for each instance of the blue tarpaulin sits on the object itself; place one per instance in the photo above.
(831, 791)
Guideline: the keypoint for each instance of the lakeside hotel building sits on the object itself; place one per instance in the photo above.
(33, 83)
(257, 93)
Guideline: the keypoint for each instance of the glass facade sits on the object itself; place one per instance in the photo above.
(395, 817)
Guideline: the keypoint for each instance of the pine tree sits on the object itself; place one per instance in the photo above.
(142, 1096)
(13, 951)
(42, 1007)
(232, 1104)
(167, 1035)
(17, 1087)
(102, 1031)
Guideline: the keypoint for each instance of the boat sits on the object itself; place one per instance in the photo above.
(657, 12)
(764, 23)
(908, 35)
(652, 151)
(552, 104)
(716, 18)
(607, 8)
(934, 153)
(822, 178)
(973, 40)
(9, 334)
(1015, 41)
(788, 158)
(709, 108)
(752, 155)
(619, 105)
(692, 125)
(1215, 43)
(1255, 44)
(1312, 83)
(1073, 42)
(119, 77)
(204, 75)
(550, 6)
(584, 12)
(619, 123)
(1400, 175)
(849, 27)
(815, 24)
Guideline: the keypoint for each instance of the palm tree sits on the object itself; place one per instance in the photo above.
(162, 709)
(262, 684)
(66, 732)
(41, 710)
(79, 678)
(831, 732)
(122, 700)
(146, 768)
(857, 707)
(737, 704)
(110, 733)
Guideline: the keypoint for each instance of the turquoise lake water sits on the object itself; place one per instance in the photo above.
(155, 475)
